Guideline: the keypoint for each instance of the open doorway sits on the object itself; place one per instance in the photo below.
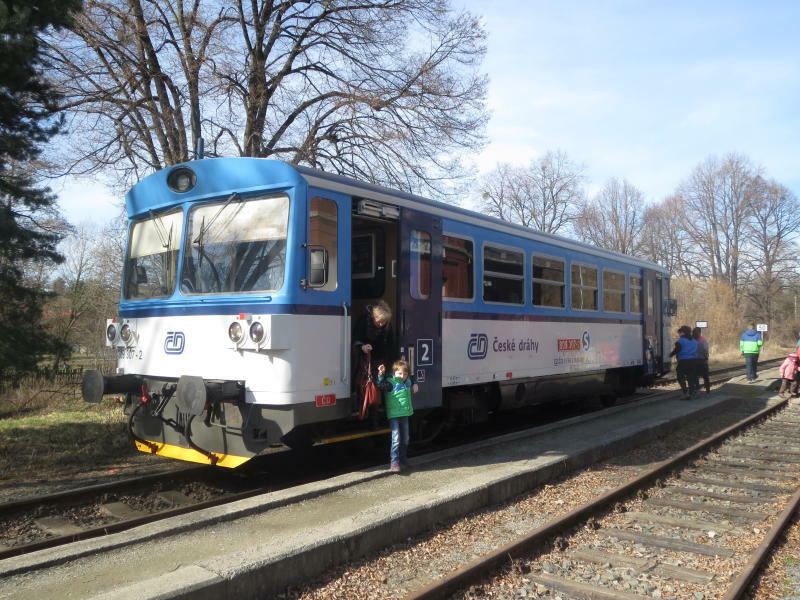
(374, 264)
(374, 256)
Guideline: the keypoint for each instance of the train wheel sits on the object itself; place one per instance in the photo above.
(299, 438)
(608, 400)
(428, 427)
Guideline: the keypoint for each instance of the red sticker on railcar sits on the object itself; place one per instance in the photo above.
(569, 345)
(325, 400)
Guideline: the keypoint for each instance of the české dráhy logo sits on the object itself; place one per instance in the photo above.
(174, 342)
(478, 346)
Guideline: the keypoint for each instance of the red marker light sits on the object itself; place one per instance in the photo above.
(144, 398)
(508, 375)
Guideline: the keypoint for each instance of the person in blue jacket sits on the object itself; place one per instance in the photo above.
(685, 351)
(750, 346)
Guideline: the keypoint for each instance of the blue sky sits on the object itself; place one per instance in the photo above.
(644, 90)
(630, 89)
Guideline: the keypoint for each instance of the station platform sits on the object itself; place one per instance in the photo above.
(254, 548)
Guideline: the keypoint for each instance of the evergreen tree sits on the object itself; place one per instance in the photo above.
(28, 118)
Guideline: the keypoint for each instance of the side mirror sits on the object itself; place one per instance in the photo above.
(671, 307)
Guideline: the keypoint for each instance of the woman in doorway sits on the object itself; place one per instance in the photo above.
(373, 344)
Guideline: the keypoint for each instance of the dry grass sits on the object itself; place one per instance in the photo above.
(49, 430)
(45, 396)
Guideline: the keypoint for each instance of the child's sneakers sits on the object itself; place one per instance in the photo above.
(394, 467)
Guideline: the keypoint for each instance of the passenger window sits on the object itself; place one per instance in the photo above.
(420, 265)
(503, 276)
(636, 294)
(613, 291)
(323, 239)
(458, 269)
(548, 282)
(584, 287)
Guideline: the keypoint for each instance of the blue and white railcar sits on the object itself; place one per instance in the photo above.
(244, 277)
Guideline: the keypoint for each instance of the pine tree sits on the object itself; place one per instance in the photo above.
(28, 118)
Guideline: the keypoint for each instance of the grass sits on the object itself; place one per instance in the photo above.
(68, 437)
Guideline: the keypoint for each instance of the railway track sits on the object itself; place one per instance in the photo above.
(65, 517)
(680, 525)
(48, 521)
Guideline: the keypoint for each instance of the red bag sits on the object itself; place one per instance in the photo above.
(371, 395)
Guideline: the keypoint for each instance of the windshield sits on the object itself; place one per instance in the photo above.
(152, 259)
(236, 246)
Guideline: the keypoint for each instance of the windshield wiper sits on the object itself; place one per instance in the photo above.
(163, 235)
(204, 227)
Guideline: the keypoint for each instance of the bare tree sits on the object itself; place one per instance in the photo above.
(664, 239)
(613, 218)
(501, 196)
(719, 197)
(770, 257)
(85, 292)
(135, 74)
(384, 90)
(542, 196)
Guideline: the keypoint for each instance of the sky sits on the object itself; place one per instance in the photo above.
(637, 90)
(643, 90)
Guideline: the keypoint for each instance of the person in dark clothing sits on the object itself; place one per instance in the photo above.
(702, 359)
(685, 351)
(373, 343)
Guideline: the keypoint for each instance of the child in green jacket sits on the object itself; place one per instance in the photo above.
(397, 392)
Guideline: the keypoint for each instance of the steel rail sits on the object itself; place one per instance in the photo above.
(476, 569)
(739, 588)
(118, 526)
(91, 490)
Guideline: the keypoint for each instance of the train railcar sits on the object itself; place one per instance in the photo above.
(243, 278)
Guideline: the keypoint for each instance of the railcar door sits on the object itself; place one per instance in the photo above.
(653, 321)
(420, 310)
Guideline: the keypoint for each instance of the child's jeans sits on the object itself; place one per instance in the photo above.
(399, 427)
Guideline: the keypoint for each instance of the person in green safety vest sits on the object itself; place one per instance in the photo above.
(750, 346)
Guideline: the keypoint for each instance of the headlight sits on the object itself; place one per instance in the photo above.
(111, 333)
(235, 332)
(257, 332)
(125, 333)
(181, 180)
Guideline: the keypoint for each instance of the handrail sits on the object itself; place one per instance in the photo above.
(343, 374)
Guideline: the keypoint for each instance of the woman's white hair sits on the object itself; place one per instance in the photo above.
(381, 310)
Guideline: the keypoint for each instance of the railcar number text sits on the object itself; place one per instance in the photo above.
(130, 353)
